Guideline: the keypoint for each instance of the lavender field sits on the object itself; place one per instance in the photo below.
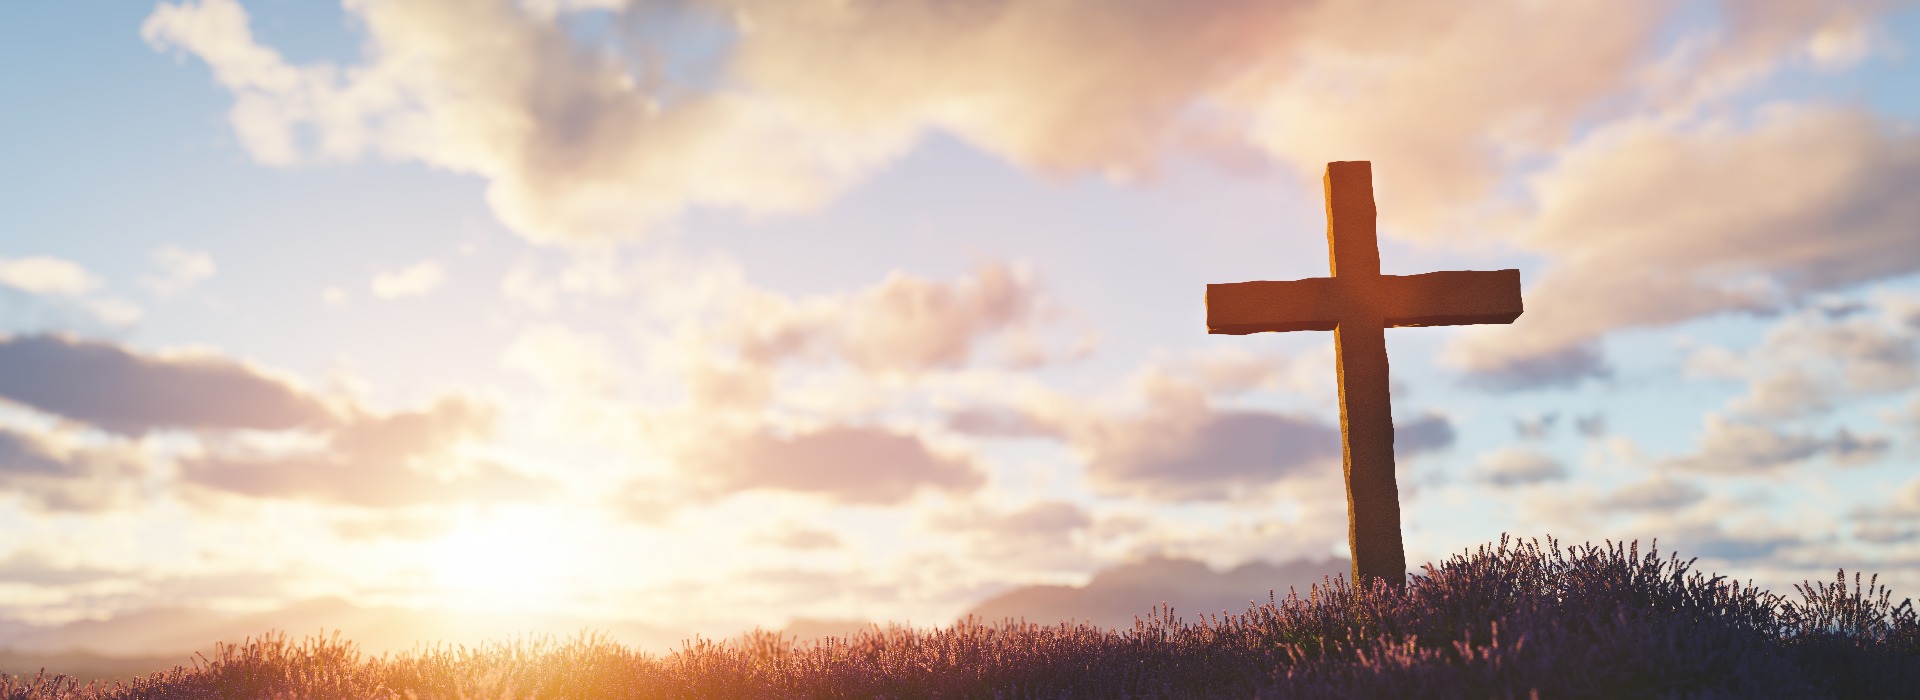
(1513, 619)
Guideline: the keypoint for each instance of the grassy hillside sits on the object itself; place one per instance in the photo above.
(1508, 620)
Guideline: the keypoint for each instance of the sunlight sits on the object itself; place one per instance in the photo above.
(504, 560)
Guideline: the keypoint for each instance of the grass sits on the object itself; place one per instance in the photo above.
(1513, 619)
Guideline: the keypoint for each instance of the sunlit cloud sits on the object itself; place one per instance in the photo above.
(563, 359)
(1735, 447)
(47, 275)
(1519, 466)
(66, 284)
(411, 281)
(820, 95)
(52, 473)
(1836, 212)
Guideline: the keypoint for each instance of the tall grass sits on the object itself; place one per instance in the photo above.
(1514, 619)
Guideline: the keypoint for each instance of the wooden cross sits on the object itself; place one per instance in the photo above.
(1358, 303)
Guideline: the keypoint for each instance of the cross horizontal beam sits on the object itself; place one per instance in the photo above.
(1452, 298)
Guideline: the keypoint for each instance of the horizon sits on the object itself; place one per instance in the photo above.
(715, 315)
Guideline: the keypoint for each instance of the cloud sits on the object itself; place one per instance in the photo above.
(904, 323)
(997, 422)
(1732, 447)
(1685, 235)
(1657, 494)
(1535, 427)
(64, 284)
(107, 386)
(259, 435)
(411, 281)
(1043, 534)
(52, 474)
(1895, 520)
(178, 270)
(1516, 466)
(46, 275)
(561, 358)
(1206, 457)
(846, 464)
(1428, 433)
(373, 460)
(38, 568)
(1591, 426)
(1809, 361)
(574, 145)
(1181, 443)
(783, 105)
(802, 538)
(1215, 455)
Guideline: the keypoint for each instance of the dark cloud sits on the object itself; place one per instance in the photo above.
(1212, 458)
(1592, 426)
(1712, 541)
(1430, 432)
(990, 422)
(849, 464)
(378, 461)
(55, 477)
(1219, 454)
(105, 385)
(336, 478)
(1562, 369)
(1535, 427)
(365, 458)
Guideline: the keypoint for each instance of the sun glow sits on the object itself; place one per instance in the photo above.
(505, 560)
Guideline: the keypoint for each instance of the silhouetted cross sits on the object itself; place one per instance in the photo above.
(1358, 303)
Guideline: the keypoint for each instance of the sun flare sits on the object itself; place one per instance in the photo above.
(504, 560)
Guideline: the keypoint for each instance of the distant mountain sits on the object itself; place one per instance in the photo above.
(148, 641)
(1116, 595)
(155, 640)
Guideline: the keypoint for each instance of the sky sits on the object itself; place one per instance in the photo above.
(708, 315)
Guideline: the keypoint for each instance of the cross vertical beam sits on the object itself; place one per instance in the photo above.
(1366, 405)
(1358, 304)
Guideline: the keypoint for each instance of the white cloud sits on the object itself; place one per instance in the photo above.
(178, 270)
(1519, 466)
(411, 281)
(47, 275)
